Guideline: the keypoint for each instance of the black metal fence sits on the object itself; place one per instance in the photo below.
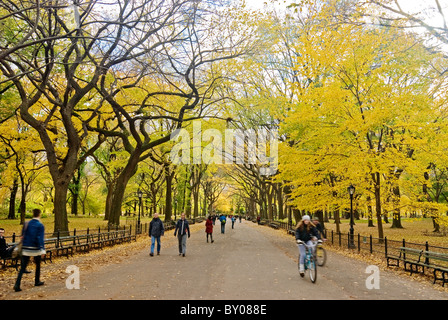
(381, 247)
(58, 236)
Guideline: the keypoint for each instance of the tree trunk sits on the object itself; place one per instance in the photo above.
(75, 188)
(195, 204)
(280, 202)
(60, 207)
(377, 183)
(120, 188)
(188, 199)
(12, 200)
(22, 206)
(369, 213)
(269, 205)
(204, 207)
(435, 225)
(297, 215)
(396, 219)
(168, 195)
(109, 197)
(337, 220)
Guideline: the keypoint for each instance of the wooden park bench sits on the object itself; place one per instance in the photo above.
(80, 243)
(67, 245)
(274, 225)
(415, 260)
(10, 262)
(439, 263)
(169, 225)
(94, 241)
(63, 246)
(410, 257)
(291, 231)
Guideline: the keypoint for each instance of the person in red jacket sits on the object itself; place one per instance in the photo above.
(209, 228)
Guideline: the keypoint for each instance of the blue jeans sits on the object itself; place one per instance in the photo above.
(153, 241)
(302, 251)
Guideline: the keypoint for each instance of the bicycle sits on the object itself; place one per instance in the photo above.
(310, 260)
(321, 254)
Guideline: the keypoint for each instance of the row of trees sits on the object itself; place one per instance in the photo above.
(358, 92)
(355, 91)
(83, 73)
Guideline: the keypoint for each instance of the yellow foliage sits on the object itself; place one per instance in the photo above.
(365, 105)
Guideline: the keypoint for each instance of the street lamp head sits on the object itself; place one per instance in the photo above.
(140, 193)
(351, 190)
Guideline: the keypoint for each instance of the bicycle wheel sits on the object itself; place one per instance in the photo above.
(312, 269)
(321, 256)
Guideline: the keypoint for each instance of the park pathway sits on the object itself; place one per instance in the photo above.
(249, 262)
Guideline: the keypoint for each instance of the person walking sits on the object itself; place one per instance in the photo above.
(32, 246)
(182, 230)
(223, 219)
(209, 228)
(156, 230)
(233, 221)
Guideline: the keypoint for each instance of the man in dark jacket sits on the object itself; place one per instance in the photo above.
(156, 230)
(182, 230)
(32, 246)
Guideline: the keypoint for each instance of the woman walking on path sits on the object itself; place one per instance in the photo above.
(156, 230)
(32, 246)
(209, 228)
(182, 230)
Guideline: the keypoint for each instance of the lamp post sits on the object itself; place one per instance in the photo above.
(351, 191)
(140, 195)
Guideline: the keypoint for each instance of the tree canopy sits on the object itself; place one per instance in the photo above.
(91, 93)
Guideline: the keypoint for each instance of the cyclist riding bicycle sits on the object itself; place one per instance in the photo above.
(319, 228)
(306, 232)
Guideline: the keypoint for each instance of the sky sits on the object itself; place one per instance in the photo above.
(407, 5)
(411, 6)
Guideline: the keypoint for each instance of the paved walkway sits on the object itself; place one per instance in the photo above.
(249, 262)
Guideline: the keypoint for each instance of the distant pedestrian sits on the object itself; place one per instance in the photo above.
(233, 221)
(182, 230)
(156, 230)
(223, 219)
(32, 246)
(209, 228)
